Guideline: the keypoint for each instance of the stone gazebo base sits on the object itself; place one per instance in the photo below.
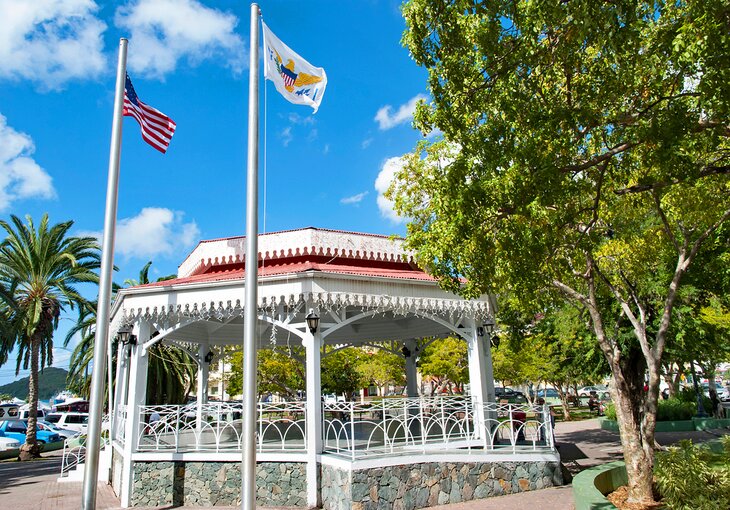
(343, 485)
(411, 486)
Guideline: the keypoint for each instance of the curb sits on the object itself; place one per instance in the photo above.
(589, 486)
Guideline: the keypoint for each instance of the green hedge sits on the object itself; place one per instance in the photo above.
(678, 408)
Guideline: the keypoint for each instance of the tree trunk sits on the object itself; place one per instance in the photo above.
(31, 449)
(636, 424)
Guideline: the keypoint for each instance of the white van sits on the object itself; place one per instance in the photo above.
(25, 414)
(69, 421)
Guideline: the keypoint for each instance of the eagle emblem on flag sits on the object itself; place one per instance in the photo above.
(296, 79)
(292, 79)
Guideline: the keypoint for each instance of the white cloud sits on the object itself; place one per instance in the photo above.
(366, 143)
(61, 357)
(50, 41)
(20, 175)
(387, 120)
(154, 232)
(286, 136)
(162, 32)
(382, 183)
(354, 199)
(326, 149)
(295, 118)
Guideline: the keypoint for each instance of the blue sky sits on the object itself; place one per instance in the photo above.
(189, 59)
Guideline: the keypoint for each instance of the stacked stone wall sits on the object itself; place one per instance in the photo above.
(408, 487)
(217, 483)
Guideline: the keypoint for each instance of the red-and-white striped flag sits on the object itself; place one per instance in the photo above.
(157, 128)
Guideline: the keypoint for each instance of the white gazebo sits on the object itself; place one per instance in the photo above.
(408, 452)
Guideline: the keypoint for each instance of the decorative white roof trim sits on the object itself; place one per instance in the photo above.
(171, 314)
(307, 241)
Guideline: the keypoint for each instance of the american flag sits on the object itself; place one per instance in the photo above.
(157, 128)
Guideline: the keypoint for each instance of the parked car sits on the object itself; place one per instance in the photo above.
(8, 443)
(586, 391)
(510, 395)
(548, 393)
(9, 411)
(69, 421)
(17, 429)
(724, 394)
(52, 427)
(331, 398)
(25, 414)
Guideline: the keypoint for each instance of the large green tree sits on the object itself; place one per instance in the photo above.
(339, 371)
(280, 371)
(382, 368)
(584, 151)
(445, 361)
(40, 268)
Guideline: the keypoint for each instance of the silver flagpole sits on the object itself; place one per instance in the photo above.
(250, 341)
(93, 443)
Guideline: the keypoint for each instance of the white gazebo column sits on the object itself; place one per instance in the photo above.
(313, 345)
(480, 375)
(411, 369)
(203, 368)
(120, 387)
(137, 397)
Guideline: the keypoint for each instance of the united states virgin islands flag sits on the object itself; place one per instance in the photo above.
(295, 78)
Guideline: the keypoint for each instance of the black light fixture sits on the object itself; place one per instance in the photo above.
(125, 335)
(480, 331)
(495, 341)
(312, 321)
(209, 357)
(489, 324)
(406, 352)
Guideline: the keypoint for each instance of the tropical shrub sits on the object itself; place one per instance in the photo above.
(610, 411)
(687, 480)
(675, 409)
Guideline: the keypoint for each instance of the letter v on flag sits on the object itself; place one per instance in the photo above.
(295, 78)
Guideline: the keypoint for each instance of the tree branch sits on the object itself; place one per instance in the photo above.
(706, 172)
(665, 221)
(600, 158)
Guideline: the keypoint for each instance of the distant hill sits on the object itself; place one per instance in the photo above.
(50, 382)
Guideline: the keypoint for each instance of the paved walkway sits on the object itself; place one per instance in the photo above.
(33, 486)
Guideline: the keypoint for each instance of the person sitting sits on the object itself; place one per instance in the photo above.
(518, 423)
(593, 403)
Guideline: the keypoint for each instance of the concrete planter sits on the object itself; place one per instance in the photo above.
(591, 486)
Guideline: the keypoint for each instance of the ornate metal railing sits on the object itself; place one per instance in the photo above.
(352, 429)
(74, 448)
(424, 424)
(219, 427)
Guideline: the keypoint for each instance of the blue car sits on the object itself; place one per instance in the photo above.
(17, 429)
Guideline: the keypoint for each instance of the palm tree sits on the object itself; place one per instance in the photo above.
(171, 370)
(39, 269)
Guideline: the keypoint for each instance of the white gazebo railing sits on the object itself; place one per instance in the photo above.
(351, 429)
(216, 427)
(419, 425)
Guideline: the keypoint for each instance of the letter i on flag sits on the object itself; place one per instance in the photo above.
(157, 128)
(295, 78)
